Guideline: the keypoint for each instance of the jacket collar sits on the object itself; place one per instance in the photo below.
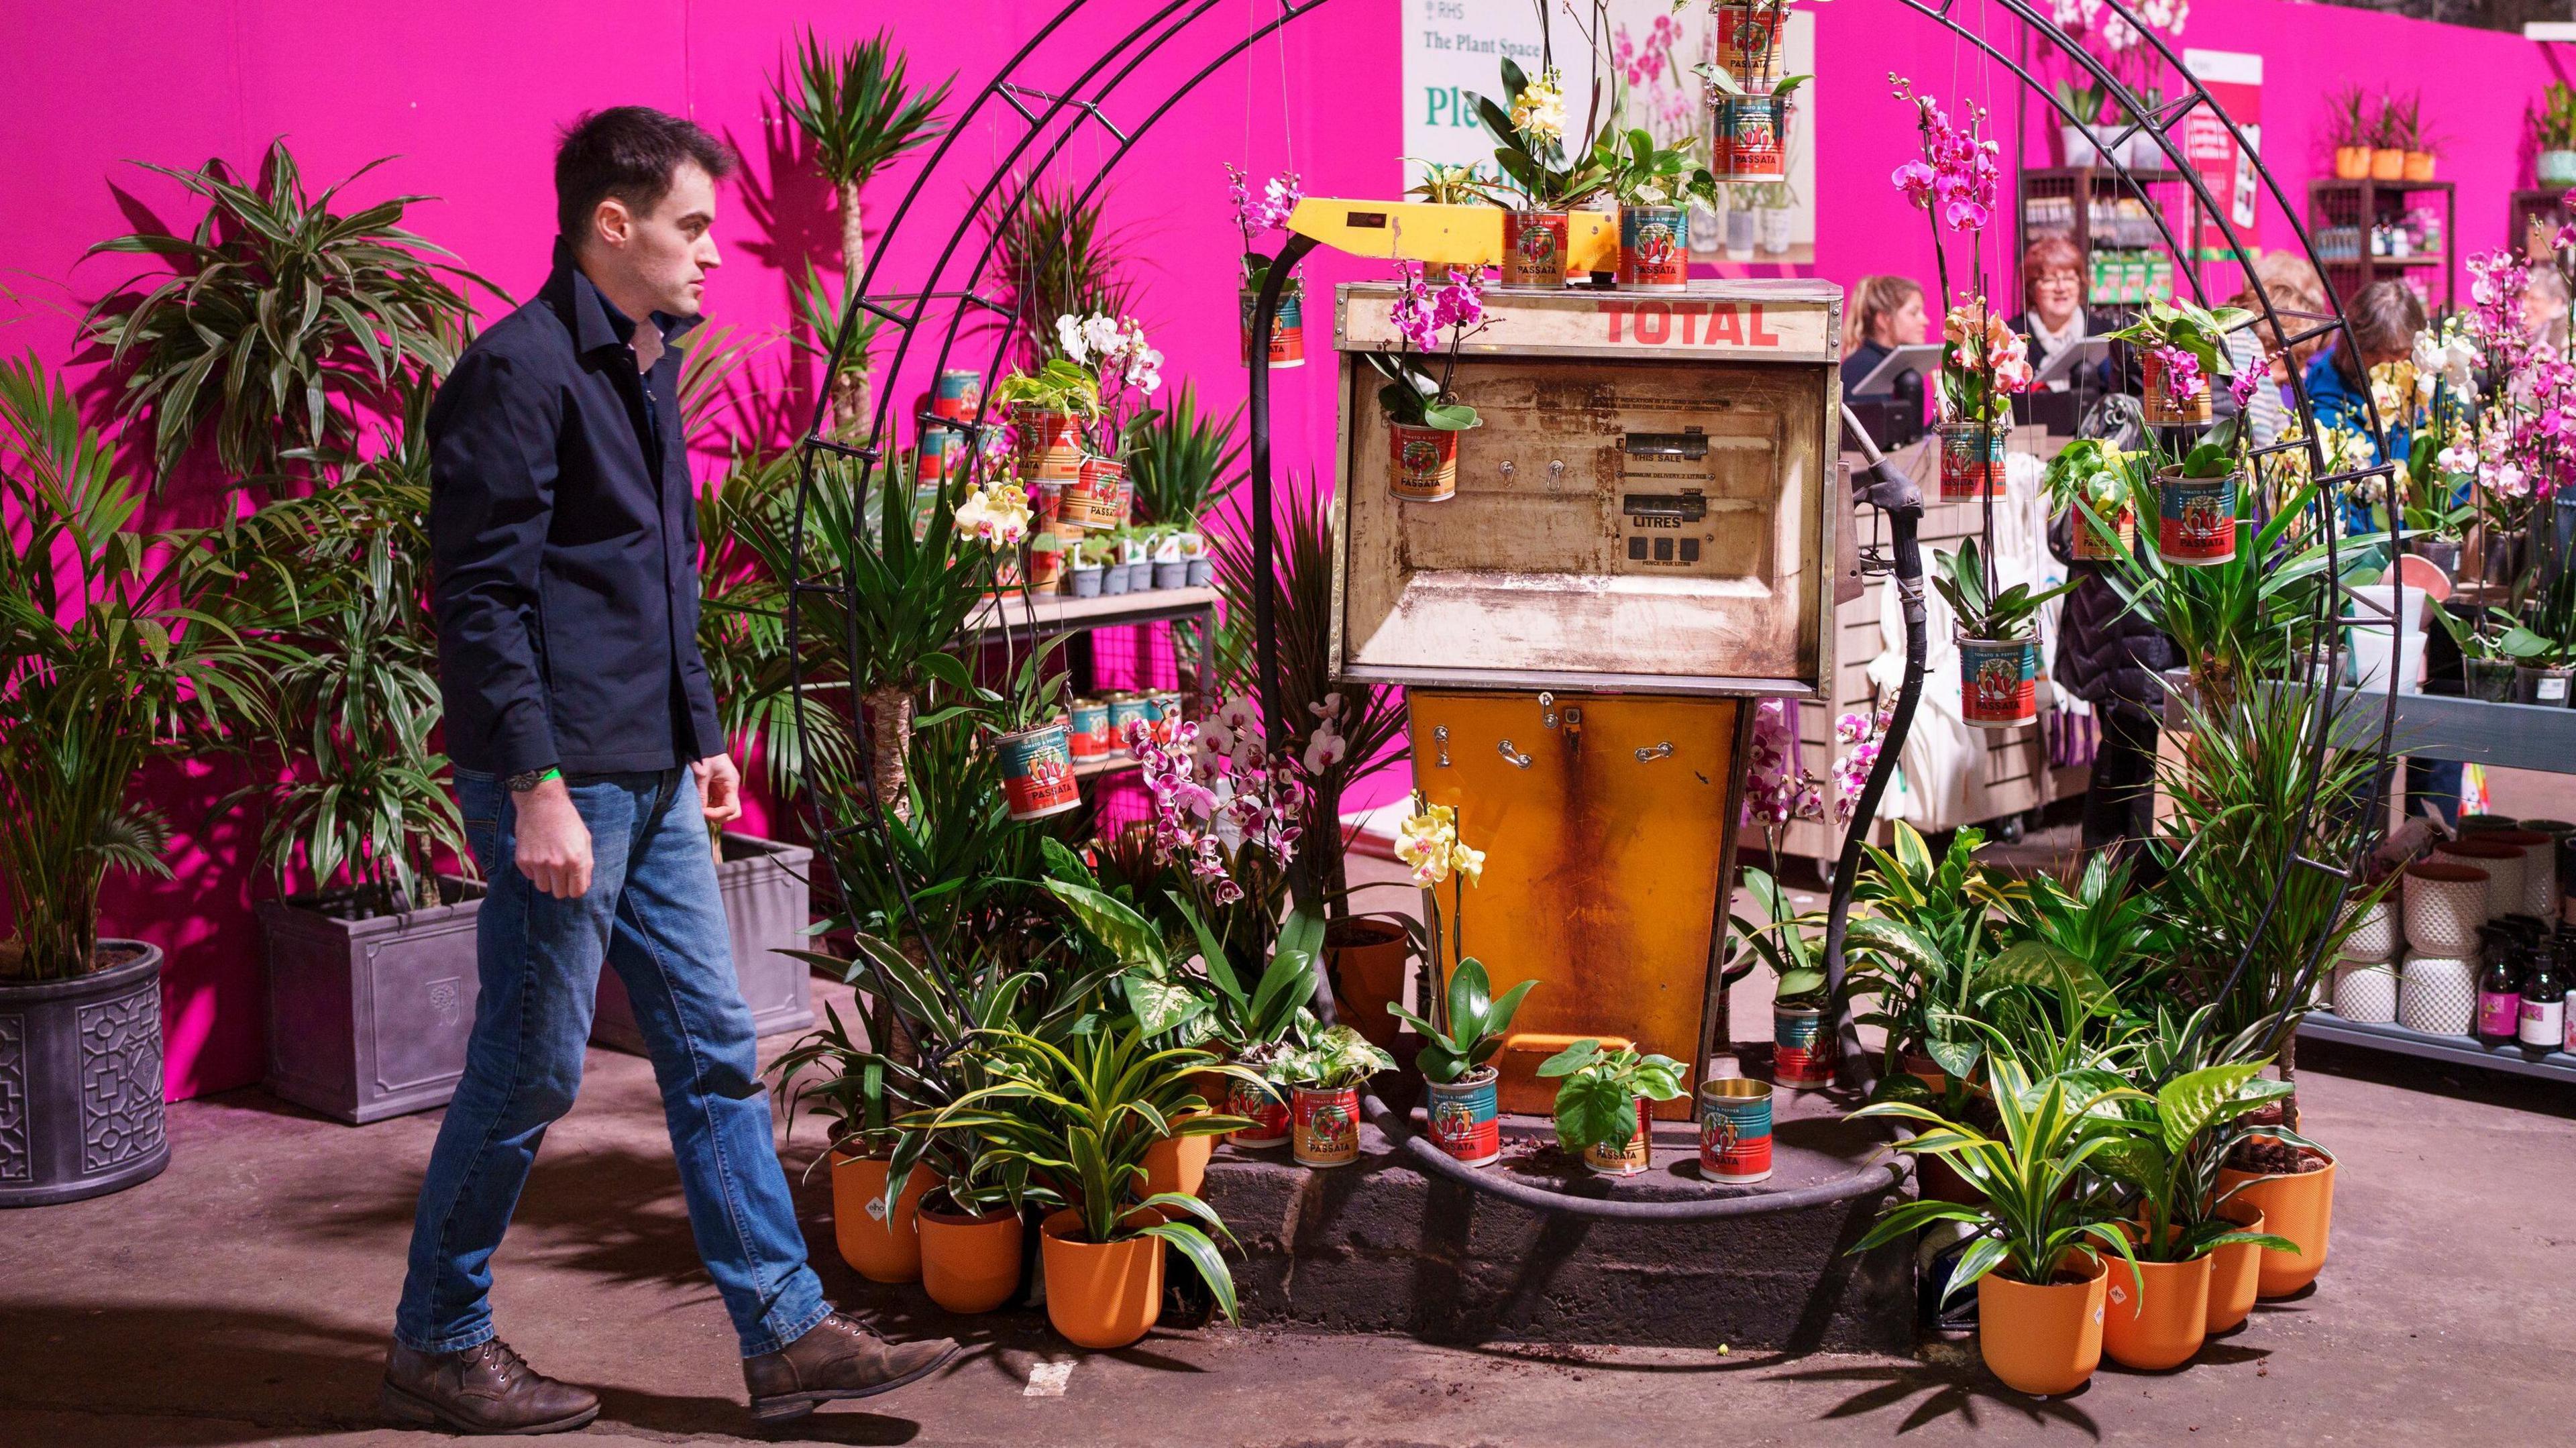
(592, 319)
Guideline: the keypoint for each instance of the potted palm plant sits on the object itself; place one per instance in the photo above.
(1463, 1109)
(1602, 1098)
(1997, 637)
(120, 648)
(2040, 1233)
(1553, 177)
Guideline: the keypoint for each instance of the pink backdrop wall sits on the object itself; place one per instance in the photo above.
(470, 107)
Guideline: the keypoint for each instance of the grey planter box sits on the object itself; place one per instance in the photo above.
(80, 1083)
(368, 1018)
(768, 902)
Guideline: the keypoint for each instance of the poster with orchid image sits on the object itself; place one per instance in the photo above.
(1624, 63)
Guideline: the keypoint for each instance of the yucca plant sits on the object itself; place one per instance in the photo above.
(1182, 460)
(856, 106)
(2035, 1211)
(114, 646)
(282, 323)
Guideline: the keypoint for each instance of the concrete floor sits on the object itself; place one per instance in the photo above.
(243, 1298)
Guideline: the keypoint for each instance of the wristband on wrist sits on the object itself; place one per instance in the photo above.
(522, 783)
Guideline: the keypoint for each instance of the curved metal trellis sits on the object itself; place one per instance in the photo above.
(1068, 108)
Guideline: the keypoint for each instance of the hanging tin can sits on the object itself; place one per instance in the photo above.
(1287, 325)
(1326, 1125)
(2096, 544)
(943, 455)
(1735, 1130)
(2162, 408)
(2195, 518)
(1629, 1160)
(1748, 42)
(1046, 444)
(1091, 499)
(1535, 246)
(1425, 463)
(1752, 135)
(958, 395)
(1972, 460)
(1037, 772)
(1802, 1053)
(1654, 248)
(1089, 736)
(1257, 1104)
(1999, 682)
(1466, 1117)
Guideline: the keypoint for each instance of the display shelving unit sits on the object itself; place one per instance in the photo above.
(1030, 619)
(2335, 204)
(2471, 731)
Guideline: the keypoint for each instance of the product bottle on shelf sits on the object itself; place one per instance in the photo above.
(2543, 1013)
(2500, 995)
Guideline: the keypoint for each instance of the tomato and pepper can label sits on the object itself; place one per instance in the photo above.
(1735, 1130)
(1091, 499)
(1998, 682)
(958, 395)
(1037, 772)
(1654, 248)
(1287, 326)
(2095, 544)
(1090, 738)
(1045, 444)
(1748, 42)
(1126, 709)
(1535, 247)
(1423, 463)
(2157, 401)
(1802, 1054)
(1262, 1107)
(1749, 129)
(1326, 1125)
(1972, 460)
(2195, 518)
(1466, 1117)
(1634, 1158)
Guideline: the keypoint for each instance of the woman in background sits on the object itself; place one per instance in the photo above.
(1885, 313)
(2292, 286)
(2054, 316)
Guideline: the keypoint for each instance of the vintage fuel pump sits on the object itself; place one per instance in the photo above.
(1640, 545)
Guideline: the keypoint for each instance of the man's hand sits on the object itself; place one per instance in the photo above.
(553, 843)
(719, 790)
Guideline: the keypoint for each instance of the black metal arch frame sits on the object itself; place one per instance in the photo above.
(1065, 110)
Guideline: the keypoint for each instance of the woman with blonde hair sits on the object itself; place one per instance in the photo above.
(2292, 286)
(1884, 313)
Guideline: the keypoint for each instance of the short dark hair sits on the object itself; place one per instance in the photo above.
(631, 153)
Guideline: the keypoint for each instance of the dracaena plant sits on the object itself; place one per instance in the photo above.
(1597, 1091)
(2035, 1210)
(1983, 614)
(1337, 1057)
(282, 322)
(2236, 620)
(1476, 1019)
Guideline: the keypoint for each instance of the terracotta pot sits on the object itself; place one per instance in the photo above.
(2235, 1270)
(2387, 163)
(1366, 957)
(1422, 463)
(878, 1249)
(1935, 1180)
(2042, 1340)
(2299, 1207)
(1178, 1163)
(2158, 1320)
(969, 1263)
(1324, 1125)
(1926, 1070)
(1101, 1295)
(2351, 162)
(2419, 165)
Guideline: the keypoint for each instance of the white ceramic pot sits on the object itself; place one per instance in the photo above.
(2504, 871)
(2365, 992)
(2375, 938)
(2539, 871)
(2446, 902)
(1707, 230)
(2144, 154)
(2438, 995)
(1775, 224)
(1739, 233)
(2371, 643)
(2078, 145)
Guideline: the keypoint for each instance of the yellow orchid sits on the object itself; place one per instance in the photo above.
(1469, 863)
(1427, 841)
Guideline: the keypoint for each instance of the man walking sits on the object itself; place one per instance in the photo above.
(589, 764)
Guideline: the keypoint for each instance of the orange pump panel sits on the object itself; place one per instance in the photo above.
(1602, 855)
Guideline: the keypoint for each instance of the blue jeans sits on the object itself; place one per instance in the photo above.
(652, 912)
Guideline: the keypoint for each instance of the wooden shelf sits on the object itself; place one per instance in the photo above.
(1062, 613)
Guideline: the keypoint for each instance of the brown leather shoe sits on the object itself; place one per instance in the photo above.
(836, 1359)
(486, 1388)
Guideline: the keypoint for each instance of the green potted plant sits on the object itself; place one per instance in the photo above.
(1463, 1109)
(1027, 721)
(1048, 408)
(2348, 129)
(1803, 1045)
(2040, 1232)
(1775, 215)
(2181, 346)
(2543, 649)
(1255, 217)
(1997, 638)
(2090, 480)
(123, 647)
(1552, 173)
(1601, 1102)
(2553, 124)
(1323, 1076)
(2487, 669)
(2388, 141)
(2198, 497)
(1424, 416)
(1654, 186)
(1752, 123)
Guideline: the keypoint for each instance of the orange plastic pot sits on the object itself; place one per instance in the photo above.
(1178, 1163)
(2299, 1207)
(2159, 1319)
(2235, 1270)
(2042, 1340)
(878, 1248)
(1367, 955)
(1101, 1295)
(2387, 163)
(969, 1263)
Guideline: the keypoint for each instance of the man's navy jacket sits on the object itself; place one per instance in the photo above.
(566, 543)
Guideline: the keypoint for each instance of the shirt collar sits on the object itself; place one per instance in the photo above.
(595, 320)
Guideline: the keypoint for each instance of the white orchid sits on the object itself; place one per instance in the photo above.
(1325, 750)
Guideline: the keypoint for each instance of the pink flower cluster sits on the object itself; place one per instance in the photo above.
(1267, 212)
(2182, 375)
(1216, 797)
(1644, 65)
(1989, 346)
(2527, 441)
(1863, 735)
(1775, 794)
(1422, 312)
(1959, 172)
